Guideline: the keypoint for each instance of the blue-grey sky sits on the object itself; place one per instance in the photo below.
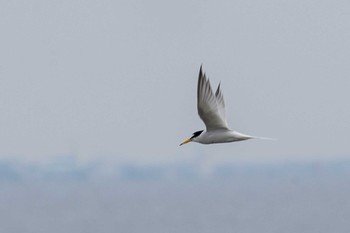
(116, 80)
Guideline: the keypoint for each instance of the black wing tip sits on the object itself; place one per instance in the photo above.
(218, 89)
(201, 74)
(201, 77)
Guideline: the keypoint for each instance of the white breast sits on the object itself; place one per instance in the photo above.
(220, 136)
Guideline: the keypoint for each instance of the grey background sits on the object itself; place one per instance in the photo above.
(116, 80)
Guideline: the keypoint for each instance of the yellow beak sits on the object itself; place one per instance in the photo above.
(187, 141)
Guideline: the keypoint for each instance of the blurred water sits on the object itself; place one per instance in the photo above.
(312, 202)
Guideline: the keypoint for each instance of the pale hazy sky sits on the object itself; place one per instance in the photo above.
(116, 80)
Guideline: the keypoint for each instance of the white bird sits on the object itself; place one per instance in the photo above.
(211, 109)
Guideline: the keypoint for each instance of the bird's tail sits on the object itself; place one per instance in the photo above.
(264, 138)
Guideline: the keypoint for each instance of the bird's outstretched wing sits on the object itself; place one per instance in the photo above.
(221, 103)
(211, 108)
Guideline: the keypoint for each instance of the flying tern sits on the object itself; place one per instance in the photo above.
(211, 109)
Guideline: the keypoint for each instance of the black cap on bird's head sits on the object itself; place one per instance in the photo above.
(194, 135)
(197, 133)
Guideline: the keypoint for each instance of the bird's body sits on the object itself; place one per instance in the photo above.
(220, 136)
(211, 109)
